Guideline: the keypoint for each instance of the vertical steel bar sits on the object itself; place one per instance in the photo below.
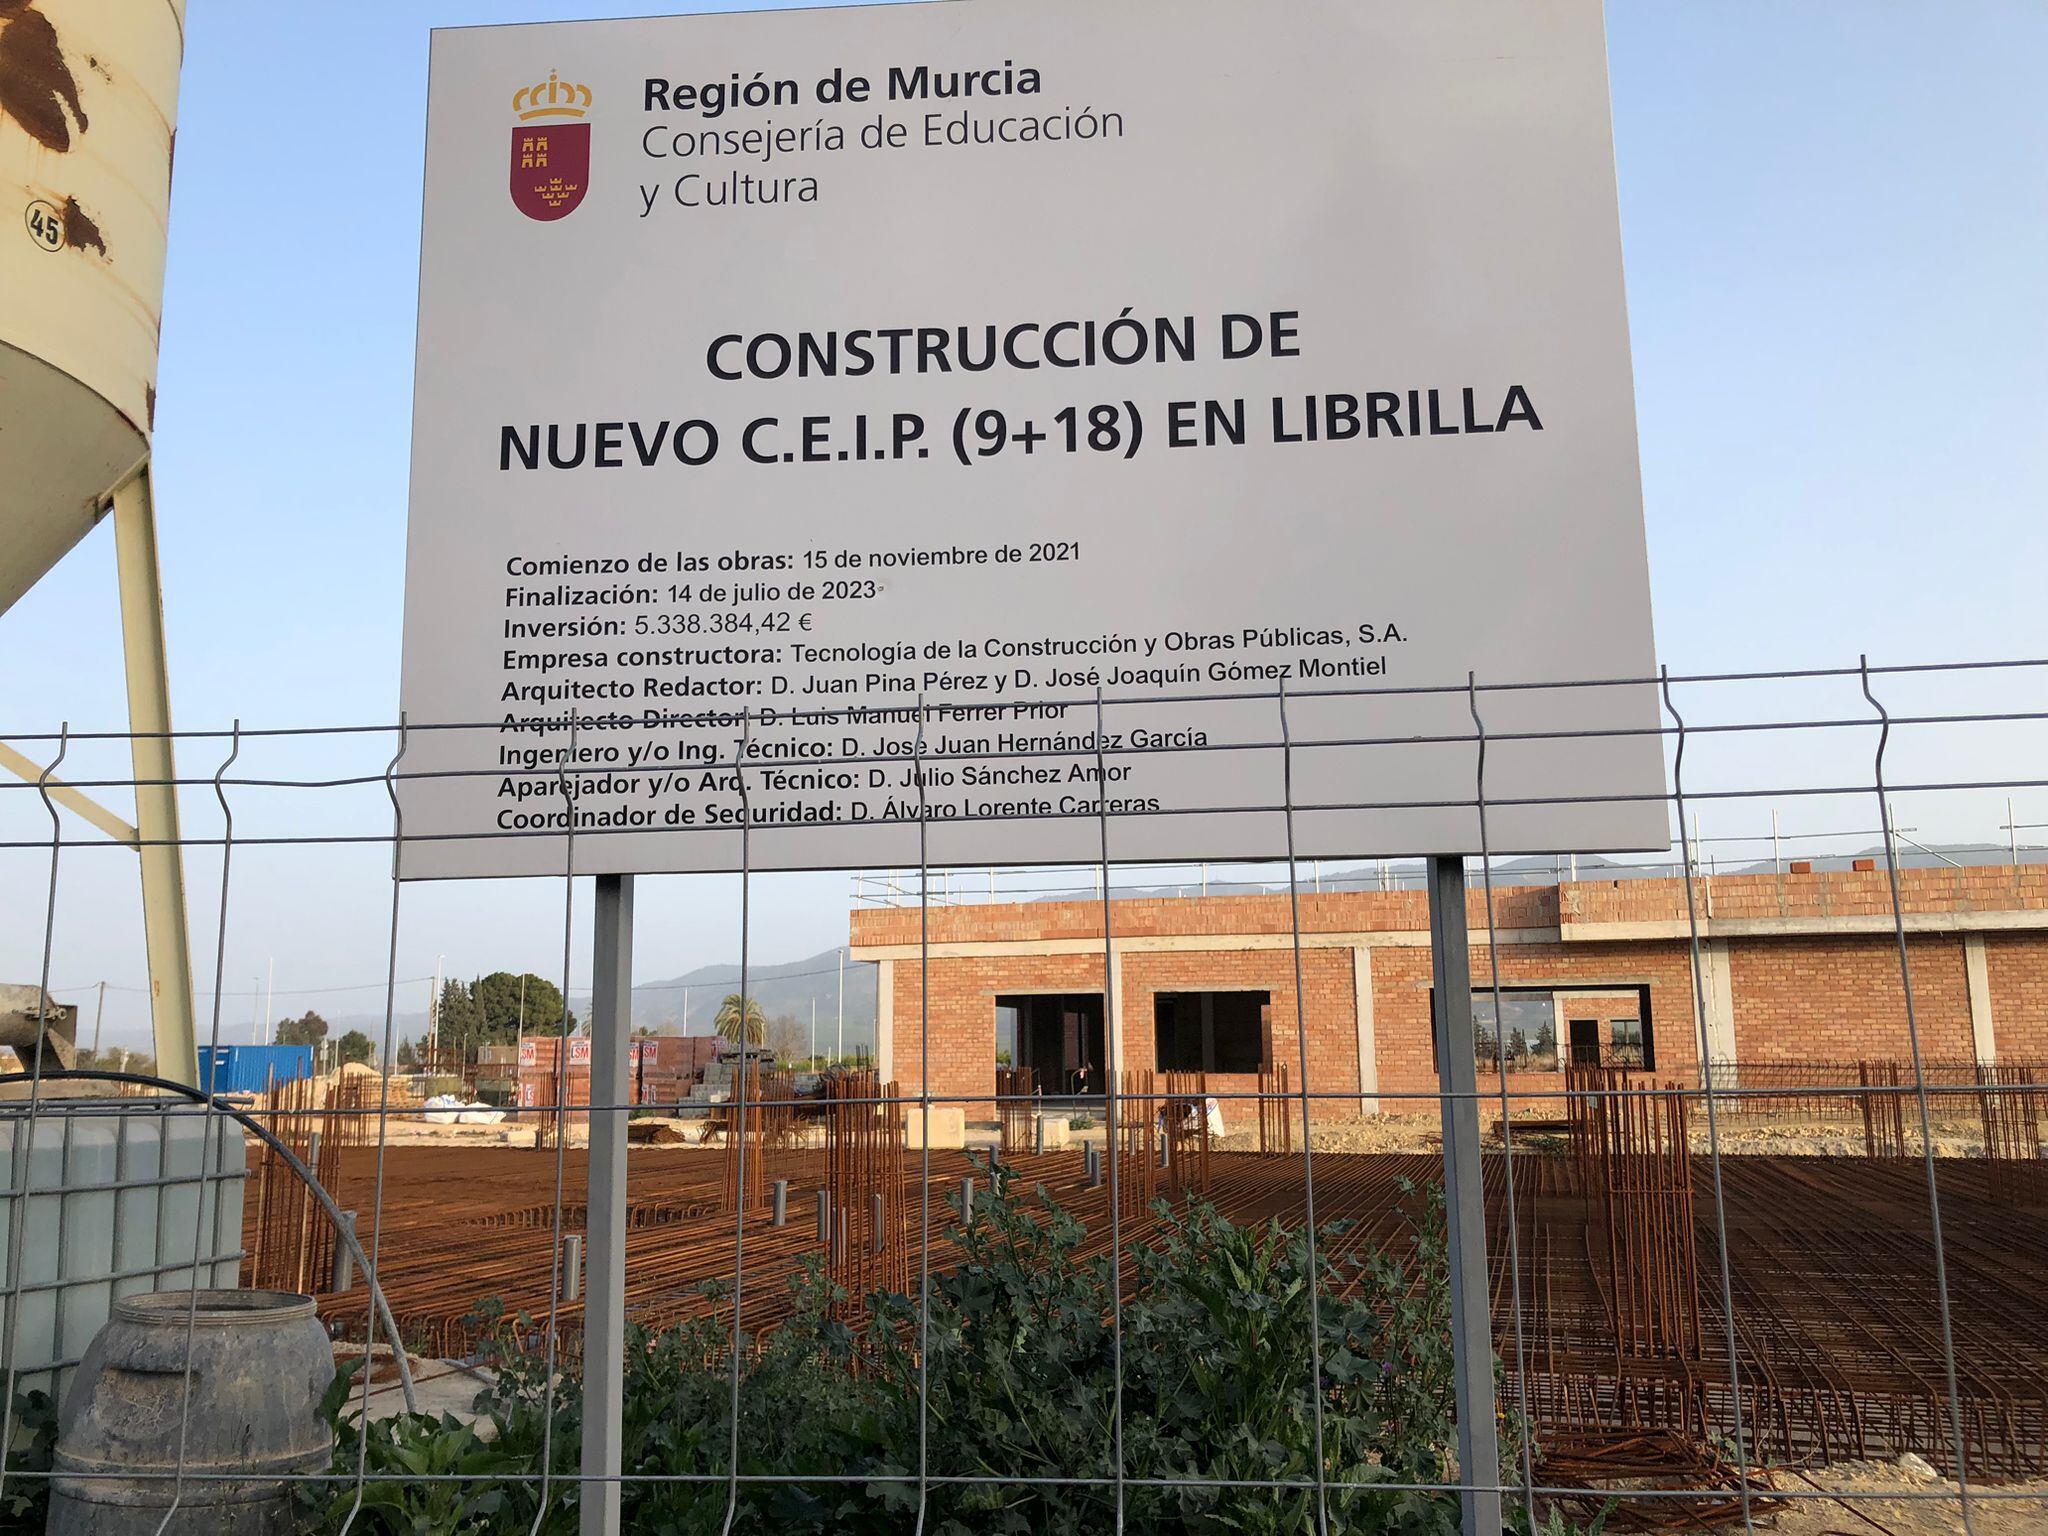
(1109, 1101)
(1464, 1198)
(1507, 1130)
(1699, 1013)
(63, 1223)
(554, 1327)
(385, 1062)
(1941, 1292)
(1308, 1156)
(23, 1144)
(739, 1125)
(924, 1088)
(209, 1126)
(604, 1312)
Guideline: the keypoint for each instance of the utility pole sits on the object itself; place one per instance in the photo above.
(840, 1054)
(814, 1030)
(434, 1012)
(255, 1010)
(269, 986)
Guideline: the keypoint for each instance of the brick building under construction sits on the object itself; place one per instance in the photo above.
(1799, 968)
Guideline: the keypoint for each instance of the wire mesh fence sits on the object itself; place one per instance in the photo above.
(1211, 1242)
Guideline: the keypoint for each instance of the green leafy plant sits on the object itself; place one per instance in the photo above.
(31, 1457)
(1217, 1418)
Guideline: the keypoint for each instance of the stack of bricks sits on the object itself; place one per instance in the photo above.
(664, 1068)
(544, 1083)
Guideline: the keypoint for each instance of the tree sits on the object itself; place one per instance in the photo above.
(732, 1011)
(307, 1029)
(514, 1005)
(355, 1046)
(498, 1008)
(456, 1016)
(114, 1059)
(789, 1037)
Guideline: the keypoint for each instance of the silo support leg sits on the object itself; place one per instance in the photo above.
(156, 797)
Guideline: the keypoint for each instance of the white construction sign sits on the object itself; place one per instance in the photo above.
(819, 412)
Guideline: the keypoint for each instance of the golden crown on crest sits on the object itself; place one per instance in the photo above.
(550, 98)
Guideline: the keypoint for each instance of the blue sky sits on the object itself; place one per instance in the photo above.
(1835, 218)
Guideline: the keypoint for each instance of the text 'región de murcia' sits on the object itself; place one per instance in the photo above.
(921, 82)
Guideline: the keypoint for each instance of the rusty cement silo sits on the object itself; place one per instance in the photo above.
(88, 113)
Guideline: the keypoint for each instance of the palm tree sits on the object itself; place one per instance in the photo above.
(732, 1011)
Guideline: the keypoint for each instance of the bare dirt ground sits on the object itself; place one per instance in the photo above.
(1774, 1138)
(1882, 1498)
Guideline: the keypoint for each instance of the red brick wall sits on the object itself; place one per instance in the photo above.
(964, 993)
(1839, 997)
(1034, 921)
(963, 1015)
(1331, 1015)
(1401, 988)
(1803, 998)
(1832, 894)
(2018, 967)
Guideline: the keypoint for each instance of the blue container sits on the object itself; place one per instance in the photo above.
(252, 1068)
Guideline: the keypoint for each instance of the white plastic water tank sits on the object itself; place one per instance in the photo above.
(88, 110)
(120, 1196)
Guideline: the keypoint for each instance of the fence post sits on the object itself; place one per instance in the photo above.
(343, 1275)
(1464, 1196)
(571, 1260)
(604, 1314)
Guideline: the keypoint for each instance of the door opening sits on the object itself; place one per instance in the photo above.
(1059, 1036)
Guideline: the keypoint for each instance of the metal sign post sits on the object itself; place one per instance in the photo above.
(1464, 1196)
(604, 1312)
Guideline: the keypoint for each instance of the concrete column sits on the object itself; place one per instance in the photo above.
(885, 1019)
(1977, 972)
(1368, 1045)
(1718, 1008)
(1115, 1002)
